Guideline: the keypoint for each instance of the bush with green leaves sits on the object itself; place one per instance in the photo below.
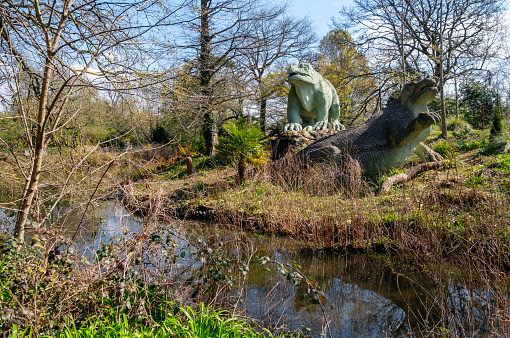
(450, 106)
(458, 125)
(445, 148)
(498, 144)
(160, 134)
(242, 145)
(497, 123)
(480, 101)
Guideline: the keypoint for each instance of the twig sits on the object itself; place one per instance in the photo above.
(90, 199)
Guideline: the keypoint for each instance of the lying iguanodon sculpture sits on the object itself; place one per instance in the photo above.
(312, 99)
(388, 138)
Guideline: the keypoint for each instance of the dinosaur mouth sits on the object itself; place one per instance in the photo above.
(297, 74)
(296, 78)
(425, 92)
(426, 85)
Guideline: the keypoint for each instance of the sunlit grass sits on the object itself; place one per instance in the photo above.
(203, 323)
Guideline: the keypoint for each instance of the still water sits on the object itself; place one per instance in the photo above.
(365, 295)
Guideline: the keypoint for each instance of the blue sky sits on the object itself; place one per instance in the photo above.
(319, 11)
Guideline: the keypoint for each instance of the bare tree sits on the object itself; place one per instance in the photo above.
(274, 40)
(429, 36)
(223, 29)
(60, 48)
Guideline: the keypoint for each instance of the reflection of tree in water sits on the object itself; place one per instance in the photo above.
(367, 296)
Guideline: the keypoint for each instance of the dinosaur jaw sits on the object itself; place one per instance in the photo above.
(297, 78)
(424, 94)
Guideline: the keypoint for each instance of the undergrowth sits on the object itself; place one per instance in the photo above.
(183, 322)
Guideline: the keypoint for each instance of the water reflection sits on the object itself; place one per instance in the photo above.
(367, 296)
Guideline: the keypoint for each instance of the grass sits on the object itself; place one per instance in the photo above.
(186, 322)
(440, 208)
(442, 218)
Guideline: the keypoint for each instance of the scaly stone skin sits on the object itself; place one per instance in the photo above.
(388, 138)
(312, 99)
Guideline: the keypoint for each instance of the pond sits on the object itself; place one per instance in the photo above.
(365, 295)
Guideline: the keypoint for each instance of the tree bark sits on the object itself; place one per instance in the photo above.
(263, 108)
(241, 169)
(189, 166)
(31, 184)
(209, 125)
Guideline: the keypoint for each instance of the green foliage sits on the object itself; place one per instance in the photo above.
(471, 145)
(449, 103)
(11, 132)
(160, 134)
(500, 161)
(347, 69)
(497, 123)
(458, 125)
(498, 144)
(242, 144)
(480, 102)
(185, 323)
(445, 148)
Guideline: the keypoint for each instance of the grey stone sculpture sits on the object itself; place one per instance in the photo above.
(312, 99)
(388, 138)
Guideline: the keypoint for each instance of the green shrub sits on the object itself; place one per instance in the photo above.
(497, 145)
(471, 145)
(497, 123)
(160, 135)
(500, 162)
(445, 148)
(480, 101)
(457, 124)
(185, 323)
(241, 145)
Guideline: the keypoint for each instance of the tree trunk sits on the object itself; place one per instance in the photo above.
(209, 132)
(263, 109)
(241, 169)
(32, 182)
(404, 177)
(33, 179)
(204, 65)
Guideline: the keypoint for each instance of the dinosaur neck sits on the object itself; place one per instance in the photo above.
(305, 94)
(417, 109)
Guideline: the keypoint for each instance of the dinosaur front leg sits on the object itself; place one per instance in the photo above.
(426, 119)
(414, 128)
(334, 115)
(308, 122)
(322, 118)
(294, 108)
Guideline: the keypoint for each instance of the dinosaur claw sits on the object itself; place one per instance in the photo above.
(322, 125)
(292, 126)
(428, 118)
(335, 125)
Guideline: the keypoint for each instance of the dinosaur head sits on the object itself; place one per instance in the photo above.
(301, 74)
(416, 95)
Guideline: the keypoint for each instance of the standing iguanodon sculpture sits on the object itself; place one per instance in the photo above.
(388, 138)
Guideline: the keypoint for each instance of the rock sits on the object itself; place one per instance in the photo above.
(295, 140)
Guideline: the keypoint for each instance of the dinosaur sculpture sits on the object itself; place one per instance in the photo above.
(312, 99)
(388, 138)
